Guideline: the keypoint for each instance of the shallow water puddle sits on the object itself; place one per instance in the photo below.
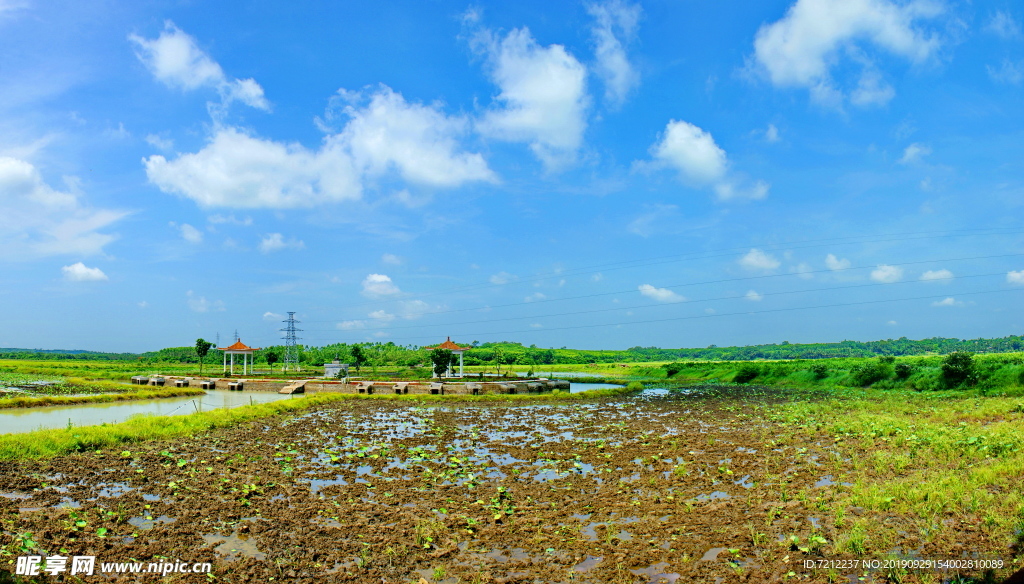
(234, 545)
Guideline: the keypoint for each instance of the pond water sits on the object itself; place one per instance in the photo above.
(578, 387)
(17, 420)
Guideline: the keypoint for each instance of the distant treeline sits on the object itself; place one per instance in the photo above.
(389, 354)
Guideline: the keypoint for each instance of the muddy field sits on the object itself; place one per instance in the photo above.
(684, 487)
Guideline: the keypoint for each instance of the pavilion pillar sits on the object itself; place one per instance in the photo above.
(225, 368)
(460, 363)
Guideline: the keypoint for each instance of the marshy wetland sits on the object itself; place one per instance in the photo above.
(706, 483)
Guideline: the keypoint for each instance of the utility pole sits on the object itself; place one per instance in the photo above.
(291, 348)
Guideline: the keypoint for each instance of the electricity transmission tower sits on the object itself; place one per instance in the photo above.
(291, 349)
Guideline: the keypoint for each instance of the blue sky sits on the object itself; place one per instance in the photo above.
(582, 174)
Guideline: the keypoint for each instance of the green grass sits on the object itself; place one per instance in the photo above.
(58, 400)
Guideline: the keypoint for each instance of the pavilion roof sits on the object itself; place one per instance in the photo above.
(238, 346)
(449, 345)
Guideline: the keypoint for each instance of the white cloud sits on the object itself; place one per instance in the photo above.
(803, 270)
(382, 315)
(191, 234)
(77, 272)
(887, 274)
(176, 60)
(756, 259)
(502, 278)
(536, 296)
(391, 259)
(615, 23)
(753, 296)
(351, 325)
(660, 294)
(692, 152)
(201, 304)
(892, 323)
(543, 97)
(914, 153)
(800, 49)
(771, 135)
(142, 304)
(536, 325)
(273, 317)
(1004, 25)
(597, 277)
(701, 162)
(222, 219)
(1015, 277)
(937, 275)
(835, 264)
(872, 90)
(1008, 72)
(276, 242)
(377, 285)
(165, 144)
(950, 301)
(383, 134)
(413, 309)
(38, 220)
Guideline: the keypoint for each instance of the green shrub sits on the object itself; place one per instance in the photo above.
(904, 371)
(871, 372)
(819, 370)
(958, 368)
(634, 386)
(747, 373)
(671, 369)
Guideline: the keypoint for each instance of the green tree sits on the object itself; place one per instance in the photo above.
(202, 349)
(272, 357)
(442, 360)
(358, 357)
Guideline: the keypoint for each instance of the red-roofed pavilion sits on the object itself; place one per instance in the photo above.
(454, 349)
(239, 348)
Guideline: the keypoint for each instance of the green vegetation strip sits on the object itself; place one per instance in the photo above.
(57, 442)
(60, 400)
(952, 460)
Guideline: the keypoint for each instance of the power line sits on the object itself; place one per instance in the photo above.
(719, 281)
(716, 315)
(724, 252)
(665, 305)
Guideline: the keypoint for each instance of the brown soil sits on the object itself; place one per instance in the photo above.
(690, 488)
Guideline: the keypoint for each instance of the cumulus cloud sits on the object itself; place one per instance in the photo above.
(378, 285)
(542, 99)
(198, 303)
(381, 133)
(615, 24)
(771, 135)
(937, 275)
(176, 60)
(277, 242)
(77, 272)
(756, 259)
(502, 278)
(753, 296)
(802, 48)
(886, 274)
(273, 317)
(382, 315)
(348, 325)
(1015, 277)
(191, 234)
(950, 301)
(660, 294)
(700, 162)
(914, 153)
(39, 220)
(536, 296)
(835, 264)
